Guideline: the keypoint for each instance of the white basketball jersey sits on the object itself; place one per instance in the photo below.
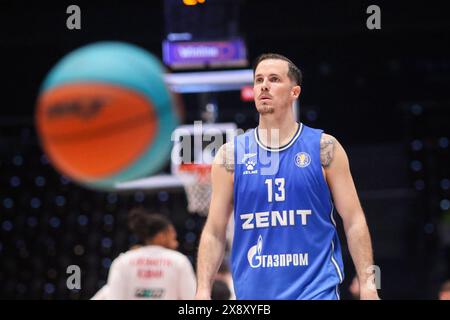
(151, 273)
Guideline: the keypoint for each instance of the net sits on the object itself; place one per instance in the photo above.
(196, 179)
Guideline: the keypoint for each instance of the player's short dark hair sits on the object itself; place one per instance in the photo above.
(294, 72)
(145, 225)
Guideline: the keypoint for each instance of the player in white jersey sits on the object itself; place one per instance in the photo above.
(155, 270)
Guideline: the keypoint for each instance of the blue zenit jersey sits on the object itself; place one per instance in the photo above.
(285, 240)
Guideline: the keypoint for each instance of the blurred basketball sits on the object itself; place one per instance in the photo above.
(104, 114)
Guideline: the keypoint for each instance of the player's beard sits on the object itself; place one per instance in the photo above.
(265, 109)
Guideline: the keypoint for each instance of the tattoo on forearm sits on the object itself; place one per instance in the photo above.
(326, 151)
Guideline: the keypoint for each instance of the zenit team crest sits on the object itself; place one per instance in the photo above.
(302, 159)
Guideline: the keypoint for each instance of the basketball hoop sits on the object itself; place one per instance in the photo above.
(196, 179)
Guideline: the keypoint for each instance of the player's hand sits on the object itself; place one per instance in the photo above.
(369, 294)
(202, 295)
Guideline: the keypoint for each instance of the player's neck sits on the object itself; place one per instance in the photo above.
(153, 243)
(275, 132)
(156, 241)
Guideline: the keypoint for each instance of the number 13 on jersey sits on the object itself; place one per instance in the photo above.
(275, 186)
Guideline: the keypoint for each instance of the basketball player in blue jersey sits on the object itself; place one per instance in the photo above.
(284, 181)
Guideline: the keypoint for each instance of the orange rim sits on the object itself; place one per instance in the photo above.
(195, 168)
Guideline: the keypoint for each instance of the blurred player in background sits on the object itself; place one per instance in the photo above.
(154, 270)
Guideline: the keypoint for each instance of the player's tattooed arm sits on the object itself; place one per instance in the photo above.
(327, 145)
(227, 156)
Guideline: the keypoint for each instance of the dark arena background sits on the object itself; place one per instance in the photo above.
(384, 93)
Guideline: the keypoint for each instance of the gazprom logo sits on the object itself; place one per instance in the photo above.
(258, 260)
(254, 254)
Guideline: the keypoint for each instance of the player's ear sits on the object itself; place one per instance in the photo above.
(296, 91)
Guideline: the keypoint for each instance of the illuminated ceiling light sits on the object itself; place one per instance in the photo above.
(190, 2)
